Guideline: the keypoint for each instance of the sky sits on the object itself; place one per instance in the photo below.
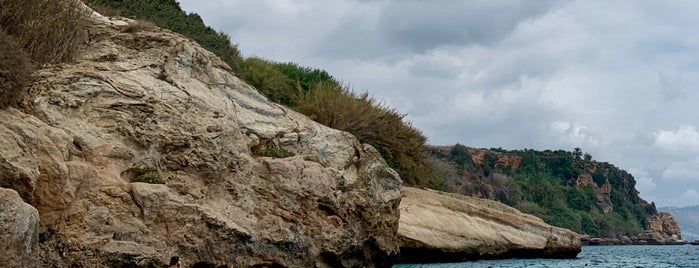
(615, 78)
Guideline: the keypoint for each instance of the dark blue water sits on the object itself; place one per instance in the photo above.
(596, 256)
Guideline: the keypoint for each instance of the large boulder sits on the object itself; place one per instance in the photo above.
(662, 230)
(441, 227)
(19, 224)
(233, 178)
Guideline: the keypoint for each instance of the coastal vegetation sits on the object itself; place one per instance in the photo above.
(34, 33)
(565, 189)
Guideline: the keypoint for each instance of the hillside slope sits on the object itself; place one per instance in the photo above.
(148, 146)
(566, 189)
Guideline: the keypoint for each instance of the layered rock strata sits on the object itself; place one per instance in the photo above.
(238, 180)
(440, 227)
(662, 230)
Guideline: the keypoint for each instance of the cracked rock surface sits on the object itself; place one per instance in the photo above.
(154, 102)
(443, 227)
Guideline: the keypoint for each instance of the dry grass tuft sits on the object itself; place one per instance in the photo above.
(401, 145)
(50, 31)
(106, 11)
(137, 26)
(15, 70)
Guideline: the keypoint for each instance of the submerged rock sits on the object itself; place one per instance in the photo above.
(442, 227)
(233, 179)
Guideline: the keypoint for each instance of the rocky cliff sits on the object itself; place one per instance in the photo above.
(441, 227)
(233, 179)
(688, 219)
(662, 229)
(566, 189)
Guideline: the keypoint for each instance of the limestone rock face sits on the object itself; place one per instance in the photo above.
(153, 102)
(438, 227)
(664, 222)
(19, 224)
(662, 230)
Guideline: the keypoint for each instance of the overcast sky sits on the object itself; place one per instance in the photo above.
(615, 78)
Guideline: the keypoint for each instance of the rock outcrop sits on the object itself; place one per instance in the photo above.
(442, 227)
(152, 105)
(662, 230)
(19, 224)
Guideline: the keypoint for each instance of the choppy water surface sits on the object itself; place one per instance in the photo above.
(595, 256)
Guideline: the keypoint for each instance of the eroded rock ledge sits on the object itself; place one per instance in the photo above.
(441, 227)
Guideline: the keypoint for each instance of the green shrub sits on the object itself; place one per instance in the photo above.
(137, 26)
(15, 70)
(400, 144)
(151, 177)
(272, 83)
(50, 31)
(168, 14)
(272, 151)
(307, 78)
(267, 147)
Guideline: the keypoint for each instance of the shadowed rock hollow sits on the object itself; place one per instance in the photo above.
(151, 102)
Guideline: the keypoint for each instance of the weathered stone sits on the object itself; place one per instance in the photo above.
(19, 224)
(171, 109)
(440, 227)
(662, 230)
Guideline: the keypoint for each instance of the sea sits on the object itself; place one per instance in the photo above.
(595, 256)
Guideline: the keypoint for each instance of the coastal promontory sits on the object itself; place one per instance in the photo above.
(442, 227)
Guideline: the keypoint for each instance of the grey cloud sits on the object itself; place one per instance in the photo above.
(404, 27)
(671, 86)
(501, 73)
(421, 25)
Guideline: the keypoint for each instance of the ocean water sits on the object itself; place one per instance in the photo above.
(595, 256)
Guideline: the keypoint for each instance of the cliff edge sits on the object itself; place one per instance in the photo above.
(148, 146)
(441, 227)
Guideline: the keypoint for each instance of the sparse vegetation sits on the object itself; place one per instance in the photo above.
(272, 150)
(545, 184)
(271, 82)
(137, 26)
(50, 31)
(169, 15)
(36, 32)
(151, 177)
(400, 144)
(15, 70)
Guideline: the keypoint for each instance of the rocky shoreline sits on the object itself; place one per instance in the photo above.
(662, 230)
(154, 103)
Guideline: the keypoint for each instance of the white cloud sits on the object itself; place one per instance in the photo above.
(644, 182)
(683, 170)
(683, 139)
